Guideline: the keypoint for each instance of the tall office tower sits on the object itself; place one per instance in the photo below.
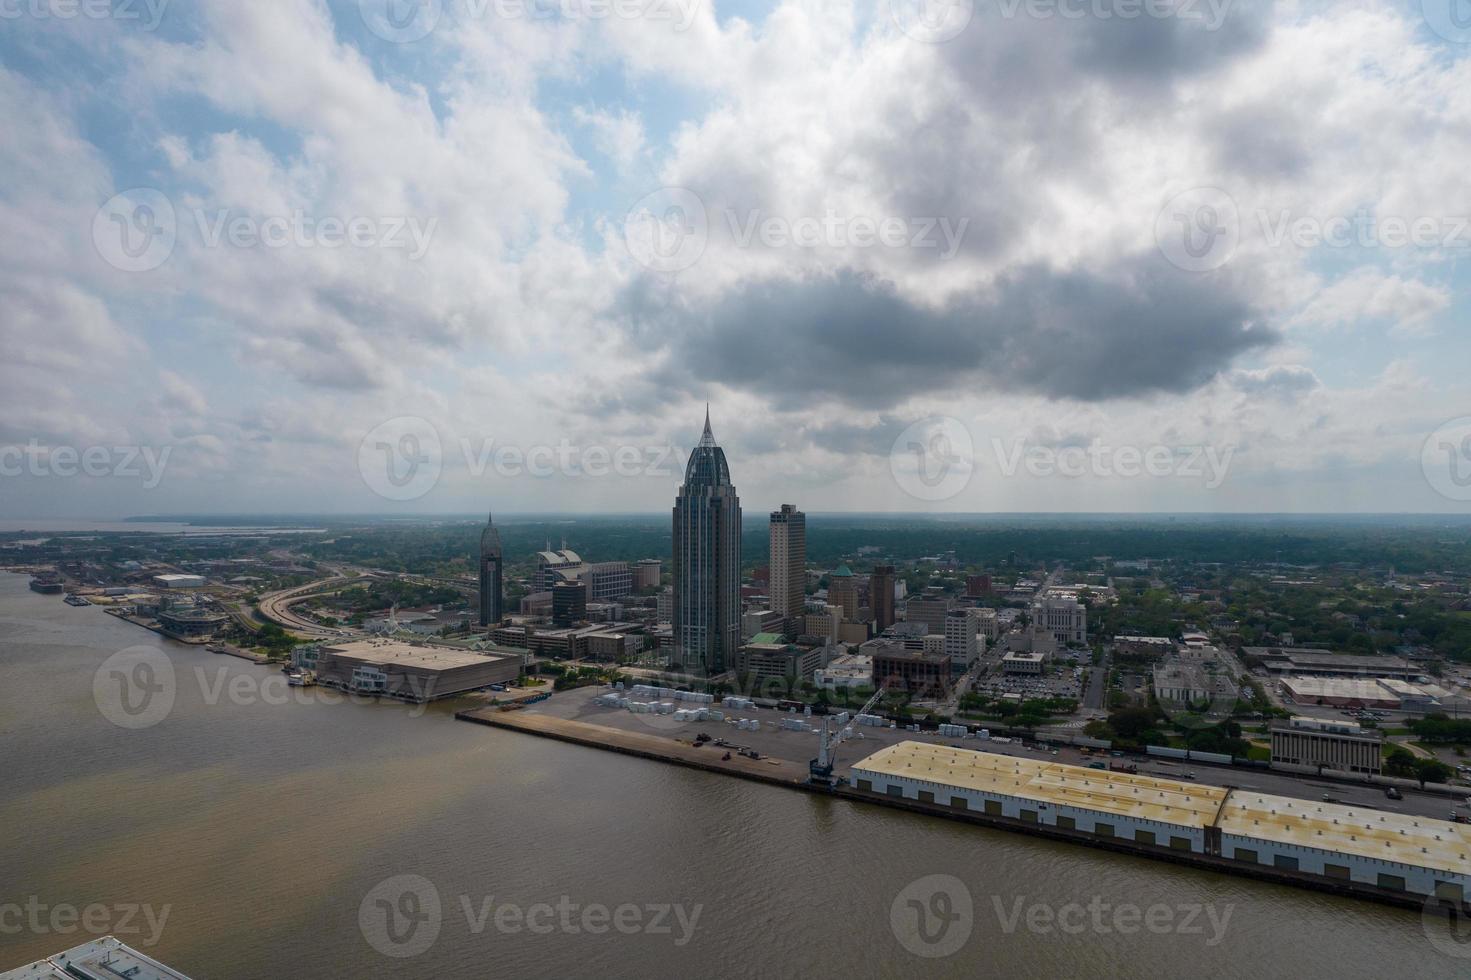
(492, 604)
(788, 587)
(707, 562)
(881, 596)
(842, 590)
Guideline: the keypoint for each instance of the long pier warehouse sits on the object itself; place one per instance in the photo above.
(1370, 848)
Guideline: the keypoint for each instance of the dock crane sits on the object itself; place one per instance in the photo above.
(821, 768)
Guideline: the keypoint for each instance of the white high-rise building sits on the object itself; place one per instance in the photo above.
(962, 644)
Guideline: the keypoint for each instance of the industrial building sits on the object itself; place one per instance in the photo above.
(1020, 662)
(1340, 692)
(411, 672)
(1293, 660)
(1341, 745)
(179, 581)
(1372, 848)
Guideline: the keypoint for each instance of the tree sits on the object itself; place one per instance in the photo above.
(1432, 771)
(1131, 723)
(1400, 763)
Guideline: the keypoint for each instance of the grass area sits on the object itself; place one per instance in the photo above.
(1259, 753)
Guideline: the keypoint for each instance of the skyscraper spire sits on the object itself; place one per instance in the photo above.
(708, 439)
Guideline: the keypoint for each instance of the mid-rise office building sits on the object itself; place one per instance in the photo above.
(842, 591)
(707, 562)
(569, 603)
(881, 596)
(788, 568)
(647, 574)
(556, 566)
(608, 580)
(925, 675)
(930, 608)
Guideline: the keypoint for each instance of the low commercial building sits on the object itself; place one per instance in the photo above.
(1340, 745)
(1181, 683)
(849, 672)
(411, 672)
(1021, 662)
(1150, 646)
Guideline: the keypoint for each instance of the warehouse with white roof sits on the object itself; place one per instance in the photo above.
(1366, 847)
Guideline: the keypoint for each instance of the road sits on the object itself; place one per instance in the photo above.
(277, 607)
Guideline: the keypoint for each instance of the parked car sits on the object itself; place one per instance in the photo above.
(1394, 794)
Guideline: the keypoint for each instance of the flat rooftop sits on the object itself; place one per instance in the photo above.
(1142, 797)
(397, 653)
(1362, 831)
(103, 959)
(1338, 687)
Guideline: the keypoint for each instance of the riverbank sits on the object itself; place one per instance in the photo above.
(792, 775)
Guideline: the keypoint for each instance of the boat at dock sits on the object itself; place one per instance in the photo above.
(76, 600)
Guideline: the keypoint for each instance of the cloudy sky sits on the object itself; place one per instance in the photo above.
(966, 255)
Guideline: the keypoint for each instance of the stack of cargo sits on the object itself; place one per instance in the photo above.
(748, 724)
(842, 718)
(733, 703)
(872, 721)
(794, 724)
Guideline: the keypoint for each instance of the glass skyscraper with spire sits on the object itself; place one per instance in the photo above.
(707, 562)
(492, 603)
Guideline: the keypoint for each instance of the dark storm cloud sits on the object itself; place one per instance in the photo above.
(1147, 329)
